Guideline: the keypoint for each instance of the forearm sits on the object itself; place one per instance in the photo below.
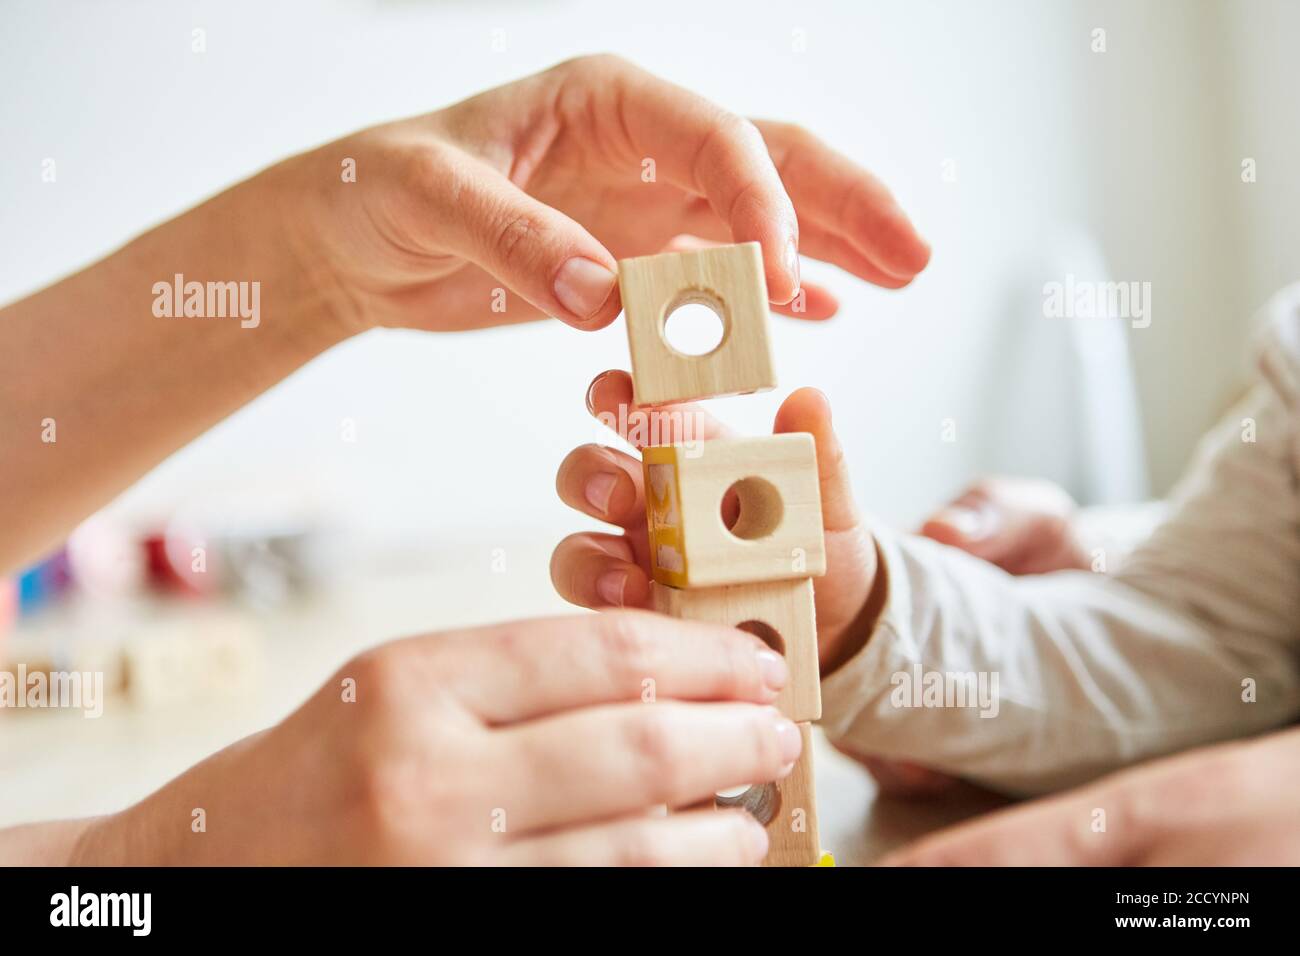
(96, 386)
(52, 843)
(1066, 675)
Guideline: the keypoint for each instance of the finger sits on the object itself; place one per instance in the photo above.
(611, 761)
(528, 669)
(704, 149)
(807, 410)
(1054, 832)
(609, 399)
(539, 252)
(976, 527)
(839, 195)
(603, 483)
(598, 571)
(813, 301)
(820, 243)
(695, 838)
(1021, 525)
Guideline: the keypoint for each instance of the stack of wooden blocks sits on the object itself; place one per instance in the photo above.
(735, 525)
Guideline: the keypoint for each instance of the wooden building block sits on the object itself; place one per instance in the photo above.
(779, 612)
(778, 533)
(787, 809)
(727, 279)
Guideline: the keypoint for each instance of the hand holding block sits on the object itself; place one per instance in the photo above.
(787, 809)
(778, 534)
(729, 280)
(779, 612)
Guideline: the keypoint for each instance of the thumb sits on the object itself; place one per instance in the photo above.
(536, 250)
(808, 410)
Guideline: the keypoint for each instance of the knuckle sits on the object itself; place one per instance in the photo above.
(733, 134)
(424, 167)
(379, 796)
(799, 136)
(514, 235)
(985, 489)
(576, 467)
(738, 665)
(767, 748)
(595, 64)
(523, 652)
(654, 740)
(638, 847)
(746, 132)
(629, 648)
(378, 674)
(568, 576)
(737, 843)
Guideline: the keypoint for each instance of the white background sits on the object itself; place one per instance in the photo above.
(1136, 151)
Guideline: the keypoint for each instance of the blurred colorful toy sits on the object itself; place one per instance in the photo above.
(43, 582)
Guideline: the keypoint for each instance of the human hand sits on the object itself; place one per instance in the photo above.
(1228, 805)
(1023, 525)
(599, 570)
(539, 187)
(523, 743)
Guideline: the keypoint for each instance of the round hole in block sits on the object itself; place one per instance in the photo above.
(693, 325)
(766, 633)
(762, 801)
(751, 508)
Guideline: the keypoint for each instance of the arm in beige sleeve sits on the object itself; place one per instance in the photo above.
(1194, 638)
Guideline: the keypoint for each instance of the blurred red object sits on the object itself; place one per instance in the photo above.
(177, 561)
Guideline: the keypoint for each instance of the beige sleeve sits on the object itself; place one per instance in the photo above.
(1037, 683)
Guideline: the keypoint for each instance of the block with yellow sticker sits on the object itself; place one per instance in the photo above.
(734, 511)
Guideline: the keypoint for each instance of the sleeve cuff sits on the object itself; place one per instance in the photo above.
(864, 678)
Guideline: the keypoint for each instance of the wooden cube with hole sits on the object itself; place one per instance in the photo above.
(781, 613)
(787, 808)
(727, 279)
(734, 511)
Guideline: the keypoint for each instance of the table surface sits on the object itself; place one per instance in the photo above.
(61, 764)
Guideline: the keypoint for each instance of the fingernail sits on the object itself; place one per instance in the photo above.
(582, 286)
(599, 490)
(785, 771)
(756, 838)
(772, 666)
(610, 587)
(591, 391)
(792, 261)
(791, 743)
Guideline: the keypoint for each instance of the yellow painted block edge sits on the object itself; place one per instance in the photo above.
(662, 533)
(826, 860)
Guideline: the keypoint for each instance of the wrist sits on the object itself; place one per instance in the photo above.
(863, 625)
(51, 843)
(125, 838)
(101, 841)
(297, 195)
